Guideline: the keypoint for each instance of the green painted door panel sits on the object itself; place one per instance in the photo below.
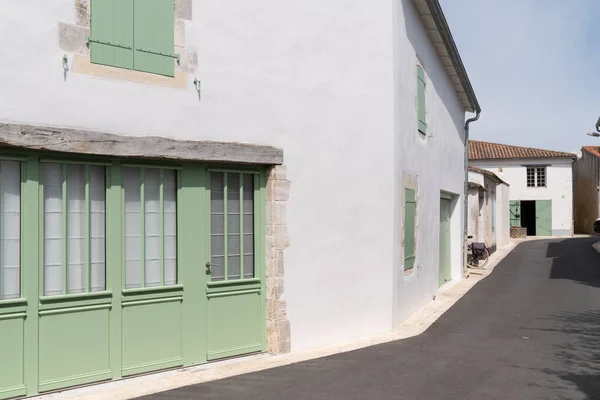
(74, 346)
(515, 213)
(543, 215)
(410, 210)
(111, 41)
(445, 240)
(234, 323)
(154, 36)
(12, 379)
(151, 335)
(421, 99)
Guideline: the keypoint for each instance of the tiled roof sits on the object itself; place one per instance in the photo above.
(488, 173)
(494, 151)
(595, 150)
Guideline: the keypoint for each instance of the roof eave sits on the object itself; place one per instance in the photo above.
(439, 32)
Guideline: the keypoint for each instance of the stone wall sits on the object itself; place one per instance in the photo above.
(278, 325)
(517, 232)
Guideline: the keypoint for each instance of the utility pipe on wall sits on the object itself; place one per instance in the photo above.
(466, 192)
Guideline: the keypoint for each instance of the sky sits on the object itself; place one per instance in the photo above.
(535, 68)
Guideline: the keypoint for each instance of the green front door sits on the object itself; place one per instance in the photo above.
(235, 291)
(445, 249)
(543, 217)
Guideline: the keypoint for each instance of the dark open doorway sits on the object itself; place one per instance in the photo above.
(528, 217)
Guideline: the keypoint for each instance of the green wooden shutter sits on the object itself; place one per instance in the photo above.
(421, 99)
(111, 40)
(515, 213)
(154, 37)
(410, 208)
(543, 214)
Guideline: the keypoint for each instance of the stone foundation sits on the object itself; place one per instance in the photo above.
(278, 325)
(517, 232)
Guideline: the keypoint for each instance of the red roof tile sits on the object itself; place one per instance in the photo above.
(595, 150)
(494, 151)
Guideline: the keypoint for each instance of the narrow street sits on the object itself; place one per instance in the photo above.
(531, 330)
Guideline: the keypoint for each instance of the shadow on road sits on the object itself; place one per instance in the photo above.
(571, 258)
(580, 356)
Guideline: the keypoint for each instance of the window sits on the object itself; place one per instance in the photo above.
(133, 34)
(231, 226)
(10, 230)
(536, 176)
(410, 209)
(150, 227)
(421, 100)
(74, 228)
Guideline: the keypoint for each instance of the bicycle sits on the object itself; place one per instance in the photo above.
(477, 254)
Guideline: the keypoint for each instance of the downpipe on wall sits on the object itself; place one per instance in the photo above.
(466, 190)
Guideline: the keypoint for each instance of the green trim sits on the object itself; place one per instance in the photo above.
(74, 380)
(75, 297)
(154, 289)
(14, 391)
(161, 205)
(55, 311)
(13, 158)
(143, 224)
(236, 351)
(65, 229)
(253, 171)
(235, 282)
(241, 226)
(225, 230)
(151, 301)
(76, 162)
(13, 302)
(238, 289)
(87, 229)
(153, 366)
(13, 316)
(150, 165)
(260, 247)
(224, 293)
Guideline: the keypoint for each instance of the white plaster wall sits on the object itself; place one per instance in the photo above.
(436, 159)
(314, 78)
(559, 189)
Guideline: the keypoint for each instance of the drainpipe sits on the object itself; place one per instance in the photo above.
(466, 199)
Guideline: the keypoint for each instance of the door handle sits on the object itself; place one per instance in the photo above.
(208, 265)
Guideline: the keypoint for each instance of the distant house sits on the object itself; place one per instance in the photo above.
(586, 182)
(541, 185)
(488, 209)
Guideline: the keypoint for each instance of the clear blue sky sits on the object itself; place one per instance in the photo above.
(535, 67)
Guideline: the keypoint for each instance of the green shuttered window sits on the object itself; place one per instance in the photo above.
(421, 99)
(410, 210)
(133, 34)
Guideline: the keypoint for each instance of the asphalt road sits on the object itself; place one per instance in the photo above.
(531, 330)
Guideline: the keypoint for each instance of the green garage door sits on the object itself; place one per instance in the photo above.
(543, 215)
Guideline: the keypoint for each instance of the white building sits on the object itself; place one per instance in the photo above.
(541, 185)
(488, 209)
(219, 178)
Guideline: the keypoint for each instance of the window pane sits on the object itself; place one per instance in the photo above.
(248, 197)
(541, 176)
(53, 229)
(152, 232)
(98, 228)
(217, 239)
(132, 180)
(170, 226)
(76, 228)
(10, 231)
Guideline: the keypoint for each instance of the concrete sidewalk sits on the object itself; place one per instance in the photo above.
(158, 382)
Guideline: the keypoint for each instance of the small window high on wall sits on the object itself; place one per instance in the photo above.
(536, 176)
(74, 227)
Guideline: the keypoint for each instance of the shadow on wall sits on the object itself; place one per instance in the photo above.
(434, 70)
(566, 264)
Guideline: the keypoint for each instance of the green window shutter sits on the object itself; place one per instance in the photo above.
(421, 99)
(111, 40)
(154, 37)
(515, 213)
(410, 209)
